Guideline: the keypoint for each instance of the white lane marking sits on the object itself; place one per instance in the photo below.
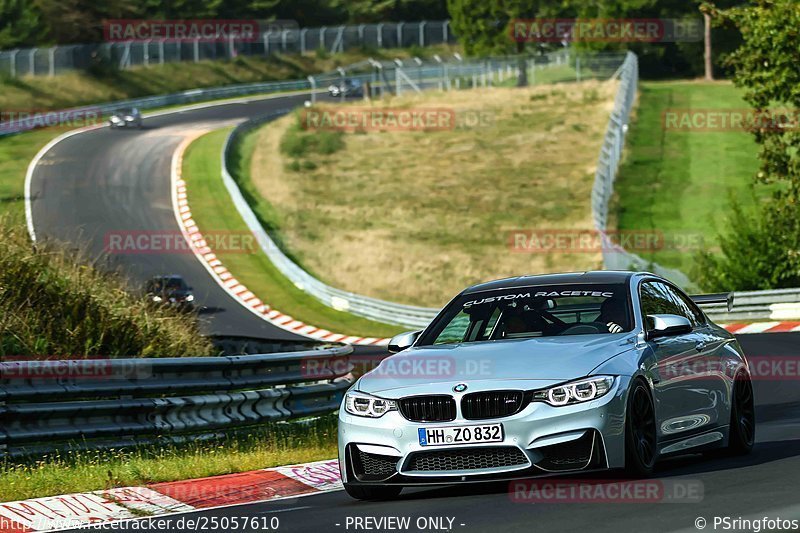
(758, 327)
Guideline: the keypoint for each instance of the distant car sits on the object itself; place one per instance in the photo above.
(125, 118)
(171, 291)
(348, 88)
(551, 374)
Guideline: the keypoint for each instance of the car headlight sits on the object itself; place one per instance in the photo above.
(361, 404)
(583, 390)
(157, 298)
(190, 298)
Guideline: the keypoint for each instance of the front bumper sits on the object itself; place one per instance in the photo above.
(539, 440)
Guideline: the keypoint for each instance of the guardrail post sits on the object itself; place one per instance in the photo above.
(51, 56)
(303, 40)
(578, 68)
(313, 83)
(266, 42)
(400, 34)
(146, 53)
(13, 62)
(161, 52)
(380, 35)
(422, 33)
(322, 32)
(445, 27)
(32, 62)
(361, 34)
(196, 47)
(284, 38)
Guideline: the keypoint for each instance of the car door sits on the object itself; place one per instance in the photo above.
(713, 372)
(678, 397)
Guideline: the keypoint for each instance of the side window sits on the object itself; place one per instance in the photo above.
(656, 300)
(455, 330)
(687, 307)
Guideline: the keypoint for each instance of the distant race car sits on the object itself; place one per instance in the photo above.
(125, 118)
(547, 374)
(348, 88)
(170, 290)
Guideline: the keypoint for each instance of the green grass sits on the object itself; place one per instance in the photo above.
(53, 305)
(264, 447)
(678, 183)
(213, 210)
(82, 88)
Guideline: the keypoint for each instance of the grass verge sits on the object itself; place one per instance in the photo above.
(82, 88)
(414, 216)
(677, 182)
(264, 447)
(214, 211)
(54, 306)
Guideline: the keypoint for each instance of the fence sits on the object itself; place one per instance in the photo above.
(391, 76)
(58, 59)
(615, 257)
(95, 404)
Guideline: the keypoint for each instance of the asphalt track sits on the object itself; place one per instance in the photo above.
(96, 183)
(100, 183)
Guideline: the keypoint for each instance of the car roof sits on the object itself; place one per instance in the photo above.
(595, 276)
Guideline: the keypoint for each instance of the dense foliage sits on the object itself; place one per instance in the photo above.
(762, 249)
(39, 22)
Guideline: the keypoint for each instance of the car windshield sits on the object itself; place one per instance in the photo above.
(536, 311)
(168, 284)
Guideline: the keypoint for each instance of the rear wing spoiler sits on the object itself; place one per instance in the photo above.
(716, 298)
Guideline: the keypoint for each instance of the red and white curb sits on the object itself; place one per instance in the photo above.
(226, 280)
(71, 511)
(763, 327)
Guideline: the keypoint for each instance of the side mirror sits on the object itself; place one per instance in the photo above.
(402, 341)
(667, 325)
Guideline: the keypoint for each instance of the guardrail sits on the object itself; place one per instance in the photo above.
(616, 257)
(779, 304)
(443, 76)
(107, 403)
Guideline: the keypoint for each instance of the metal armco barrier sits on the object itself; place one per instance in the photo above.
(101, 403)
(476, 73)
(779, 304)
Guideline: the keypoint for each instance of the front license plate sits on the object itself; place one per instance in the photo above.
(447, 436)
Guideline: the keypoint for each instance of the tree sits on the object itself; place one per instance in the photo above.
(765, 66)
(20, 24)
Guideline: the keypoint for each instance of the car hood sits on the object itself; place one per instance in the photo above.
(529, 363)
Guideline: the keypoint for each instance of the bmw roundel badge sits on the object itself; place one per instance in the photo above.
(461, 387)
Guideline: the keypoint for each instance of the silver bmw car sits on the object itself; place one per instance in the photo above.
(542, 375)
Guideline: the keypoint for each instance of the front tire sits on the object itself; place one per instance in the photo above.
(640, 432)
(377, 493)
